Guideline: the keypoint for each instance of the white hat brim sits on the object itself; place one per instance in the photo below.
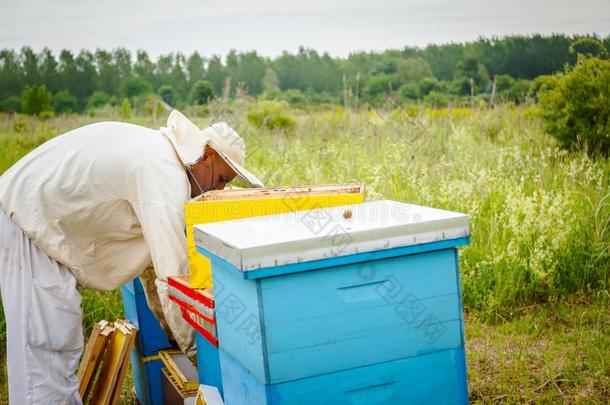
(186, 137)
(241, 171)
(192, 141)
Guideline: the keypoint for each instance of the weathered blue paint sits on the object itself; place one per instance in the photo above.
(147, 379)
(149, 340)
(303, 324)
(208, 363)
(434, 378)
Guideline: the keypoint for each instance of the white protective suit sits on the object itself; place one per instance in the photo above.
(103, 201)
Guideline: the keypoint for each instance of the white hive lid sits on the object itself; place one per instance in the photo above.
(302, 236)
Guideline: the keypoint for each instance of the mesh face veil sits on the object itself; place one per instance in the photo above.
(188, 168)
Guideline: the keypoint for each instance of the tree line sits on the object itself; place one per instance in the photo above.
(91, 79)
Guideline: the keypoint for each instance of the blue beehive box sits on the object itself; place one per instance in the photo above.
(150, 338)
(358, 304)
(147, 378)
(145, 365)
(208, 363)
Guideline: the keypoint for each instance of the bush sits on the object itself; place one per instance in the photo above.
(379, 85)
(429, 85)
(436, 99)
(46, 114)
(271, 115)
(575, 106)
(134, 86)
(201, 92)
(35, 100)
(153, 105)
(588, 46)
(460, 87)
(168, 94)
(293, 96)
(64, 102)
(504, 83)
(412, 70)
(519, 91)
(98, 99)
(11, 105)
(539, 85)
(409, 91)
(126, 108)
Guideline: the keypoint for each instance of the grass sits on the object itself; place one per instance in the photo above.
(557, 352)
(535, 276)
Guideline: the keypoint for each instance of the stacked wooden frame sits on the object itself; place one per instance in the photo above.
(105, 362)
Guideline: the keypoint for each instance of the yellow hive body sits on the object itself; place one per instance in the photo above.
(226, 205)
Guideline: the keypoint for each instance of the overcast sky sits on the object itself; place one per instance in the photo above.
(270, 26)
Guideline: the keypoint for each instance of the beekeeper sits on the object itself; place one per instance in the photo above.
(96, 207)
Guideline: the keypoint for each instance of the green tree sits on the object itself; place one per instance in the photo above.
(246, 70)
(134, 86)
(319, 77)
(126, 108)
(67, 71)
(409, 91)
(48, 71)
(30, 67)
(84, 79)
(168, 94)
(470, 68)
(98, 99)
(178, 79)
(11, 82)
(519, 91)
(11, 104)
(540, 85)
(64, 102)
(108, 74)
(294, 97)
(201, 92)
(443, 59)
(575, 106)
(195, 68)
(588, 46)
(163, 70)
(121, 58)
(308, 69)
(271, 83)
(380, 84)
(504, 83)
(429, 85)
(413, 70)
(523, 56)
(510, 89)
(436, 99)
(460, 86)
(144, 68)
(36, 100)
(216, 74)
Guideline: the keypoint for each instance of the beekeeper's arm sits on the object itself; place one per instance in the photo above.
(148, 278)
(163, 229)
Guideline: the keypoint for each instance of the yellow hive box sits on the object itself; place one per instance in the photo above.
(231, 204)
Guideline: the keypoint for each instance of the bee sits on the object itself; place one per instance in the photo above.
(347, 214)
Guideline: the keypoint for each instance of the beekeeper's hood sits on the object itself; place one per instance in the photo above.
(189, 142)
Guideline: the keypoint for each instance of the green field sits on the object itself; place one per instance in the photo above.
(536, 274)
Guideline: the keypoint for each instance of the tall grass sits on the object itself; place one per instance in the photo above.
(539, 215)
